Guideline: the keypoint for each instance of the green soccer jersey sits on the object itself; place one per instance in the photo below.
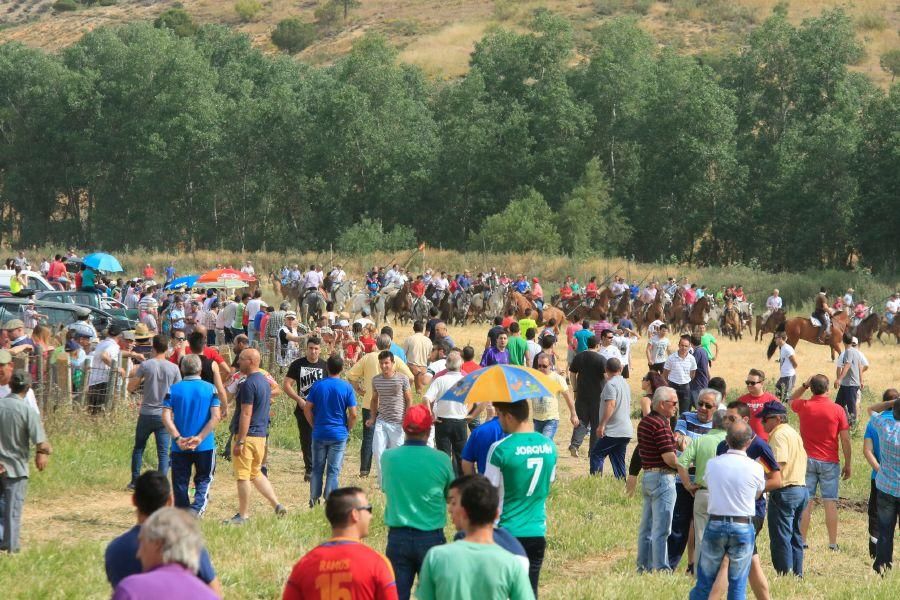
(522, 465)
(517, 348)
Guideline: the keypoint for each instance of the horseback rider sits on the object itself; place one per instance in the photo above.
(773, 303)
(590, 292)
(860, 312)
(372, 284)
(891, 307)
(441, 286)
(565, 290)
(537, 294)
(618, 287)
(336, 277)
(823, 314)
(521, 285)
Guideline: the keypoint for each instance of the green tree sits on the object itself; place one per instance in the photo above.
(368, 236)
(890, 62)
(526, 224)
(247, 10)
(178, 20)
(293, 35)
(589, 221)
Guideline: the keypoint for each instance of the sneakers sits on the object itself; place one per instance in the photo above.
(307, 477)
(280, 510)
(363, 474)
(130, 487)
(235, 520)
(573, 451)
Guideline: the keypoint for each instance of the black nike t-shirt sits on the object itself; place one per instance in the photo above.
(306, 373)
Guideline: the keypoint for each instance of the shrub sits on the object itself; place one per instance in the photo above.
(504, 10)
(608, 7)
(247, 10)
(106, 2)
(524, 223)
(890, 62)
(65, 5)
(293, 35)
(369, 236)
(328, 14)
(871, 22)
(178, 20)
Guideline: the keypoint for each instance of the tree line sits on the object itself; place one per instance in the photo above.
(777, 157)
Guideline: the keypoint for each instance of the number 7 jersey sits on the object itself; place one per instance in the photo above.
(522, 466)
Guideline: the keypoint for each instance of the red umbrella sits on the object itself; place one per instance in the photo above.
(228, 278)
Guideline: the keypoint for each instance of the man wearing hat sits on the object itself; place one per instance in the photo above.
(104, 362)
(20, 427)
(786, 503)
(415, 480)
(31, 315)
(18, 341)
(848, 380)
(6, 373)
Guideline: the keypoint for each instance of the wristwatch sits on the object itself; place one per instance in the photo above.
(176, 438)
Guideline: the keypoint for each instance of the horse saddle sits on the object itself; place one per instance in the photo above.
(815, 322)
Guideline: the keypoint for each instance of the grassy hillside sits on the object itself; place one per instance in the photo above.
(438, 35)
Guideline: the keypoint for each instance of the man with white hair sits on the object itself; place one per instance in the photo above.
(169, 551)
(451, 418)
(656, 446)
(735, 482)
(190, 414)
(773, 303)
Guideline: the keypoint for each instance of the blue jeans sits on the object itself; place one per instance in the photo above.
(888, 515)
(614, 447)
(365, 448)
(406, 549)
(203, 465)
(785, 508)
(720, 539)
(658, 492)
(146, 425)
(326, 454)
(546, 428)
(825, 476)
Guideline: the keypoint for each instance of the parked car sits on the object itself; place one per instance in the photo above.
(36, 281)
(61, 313)
(92, 299)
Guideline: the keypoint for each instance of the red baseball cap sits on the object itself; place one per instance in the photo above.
(534, 279)
(418, 419)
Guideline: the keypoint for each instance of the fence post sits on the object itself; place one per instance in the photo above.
(85, 378)
(64, 381)
(41, 377)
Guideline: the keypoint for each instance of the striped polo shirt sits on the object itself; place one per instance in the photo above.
(654, 439)
(680, 368)
(391, 404)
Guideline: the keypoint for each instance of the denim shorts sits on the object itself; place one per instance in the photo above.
(825, 475)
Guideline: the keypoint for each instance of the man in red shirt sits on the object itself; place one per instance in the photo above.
(755, 399)
(149, 272)
(822, 424)
(343, 567)
(418, 287)
(57, 269)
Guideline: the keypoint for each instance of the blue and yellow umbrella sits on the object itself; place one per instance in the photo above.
(501, 383)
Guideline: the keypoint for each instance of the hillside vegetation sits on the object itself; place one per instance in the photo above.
(439, 35)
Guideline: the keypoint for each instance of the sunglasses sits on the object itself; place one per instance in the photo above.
(180, 339)
(748, 382)
(543, 366)
(707, 406)
(367, 508)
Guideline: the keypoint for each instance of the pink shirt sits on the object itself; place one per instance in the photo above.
(571, 342)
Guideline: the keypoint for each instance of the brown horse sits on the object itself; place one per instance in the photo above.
(867, 328)
(400, 304)
(770, 325)
(732, 323)
(653, 312)
(675, 313)
(603, 299)
(622, 307)
(699, 314)
(894, 328)
(576, 311)
(801, 328)
(520, 303)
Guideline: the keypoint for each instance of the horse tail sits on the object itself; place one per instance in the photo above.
(771, 350)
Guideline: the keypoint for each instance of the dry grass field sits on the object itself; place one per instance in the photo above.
(79, 504)
(438, 35)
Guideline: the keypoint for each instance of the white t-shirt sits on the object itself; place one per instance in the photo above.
(892, 306)
(533, 350)
(248, 269)
(446, 409)
(773, 303)
(784, 356)
(437, 366)
(624, 344)
(253, 307)
(100, 371)
(338, 275)
(610, 351)
(734, 482)
(653, 329)
(29, 397)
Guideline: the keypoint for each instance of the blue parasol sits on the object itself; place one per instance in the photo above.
(187, 281)
(100, 261)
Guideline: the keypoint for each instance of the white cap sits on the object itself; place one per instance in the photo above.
(854, 341)
(344, 323)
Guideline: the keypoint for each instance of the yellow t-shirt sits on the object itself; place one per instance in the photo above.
(367, 368)
(787, 446)
(547, 408)
(525, 325)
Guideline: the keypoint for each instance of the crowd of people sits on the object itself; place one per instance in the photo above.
(713, 471)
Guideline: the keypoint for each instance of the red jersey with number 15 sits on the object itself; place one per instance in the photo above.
(341, 569)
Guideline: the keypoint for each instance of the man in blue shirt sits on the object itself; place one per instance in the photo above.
(395, 349)
(582, 336)
(887, 481)
(872, 452)
(331, 410)
(151, 492)
(250, 425)
(190, 414)
(474, 453)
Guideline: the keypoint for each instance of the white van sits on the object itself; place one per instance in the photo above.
(36, 281)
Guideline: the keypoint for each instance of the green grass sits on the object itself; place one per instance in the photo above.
(77, 505)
